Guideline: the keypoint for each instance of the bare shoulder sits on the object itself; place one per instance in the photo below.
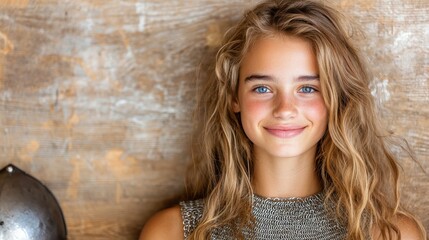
(408, 227)
(166, 224)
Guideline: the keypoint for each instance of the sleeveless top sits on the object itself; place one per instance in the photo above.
(276, 218)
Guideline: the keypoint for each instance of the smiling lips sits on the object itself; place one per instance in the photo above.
(285, 132)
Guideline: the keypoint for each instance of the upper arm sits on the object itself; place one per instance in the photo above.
(407, 226)
(166, 224)
(409, 229)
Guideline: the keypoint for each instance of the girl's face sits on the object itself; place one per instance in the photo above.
(279, 99)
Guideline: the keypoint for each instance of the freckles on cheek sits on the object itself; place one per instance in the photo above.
(253, 107)
(317, 109)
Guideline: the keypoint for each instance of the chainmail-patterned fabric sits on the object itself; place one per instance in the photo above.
(291, 218)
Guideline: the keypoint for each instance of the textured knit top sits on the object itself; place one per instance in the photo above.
(275, 218)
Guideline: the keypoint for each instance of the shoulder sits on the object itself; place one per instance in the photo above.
(166, 224)
(408, 227)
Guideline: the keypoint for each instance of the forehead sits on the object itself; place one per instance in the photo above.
(279, 53)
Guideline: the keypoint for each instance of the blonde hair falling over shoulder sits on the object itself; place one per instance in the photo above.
(358, 172)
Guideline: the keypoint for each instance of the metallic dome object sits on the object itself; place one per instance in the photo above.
(28, 210)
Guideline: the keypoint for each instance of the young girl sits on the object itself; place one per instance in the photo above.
(289, 146)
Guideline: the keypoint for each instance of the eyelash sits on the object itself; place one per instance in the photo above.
(312, 89)
(263, 87)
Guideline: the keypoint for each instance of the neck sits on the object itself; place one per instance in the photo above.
(286, 177)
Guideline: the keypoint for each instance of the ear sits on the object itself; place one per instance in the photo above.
(235, 106)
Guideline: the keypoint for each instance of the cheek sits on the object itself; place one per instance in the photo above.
(317, 111)
(252, 113)
(253, 109)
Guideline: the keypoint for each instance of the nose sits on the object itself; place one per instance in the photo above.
(285, 106)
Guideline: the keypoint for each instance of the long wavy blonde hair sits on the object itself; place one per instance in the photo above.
(358, 172)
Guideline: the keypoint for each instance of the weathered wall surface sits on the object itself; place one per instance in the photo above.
(96, 97)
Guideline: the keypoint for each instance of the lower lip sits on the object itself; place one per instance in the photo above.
(285, 133)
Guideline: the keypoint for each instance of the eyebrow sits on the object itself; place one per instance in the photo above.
(255, 77)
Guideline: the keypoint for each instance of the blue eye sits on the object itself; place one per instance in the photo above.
(307, 89)
(261, 89)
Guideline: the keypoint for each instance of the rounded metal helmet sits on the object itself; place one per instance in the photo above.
(28, 210)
